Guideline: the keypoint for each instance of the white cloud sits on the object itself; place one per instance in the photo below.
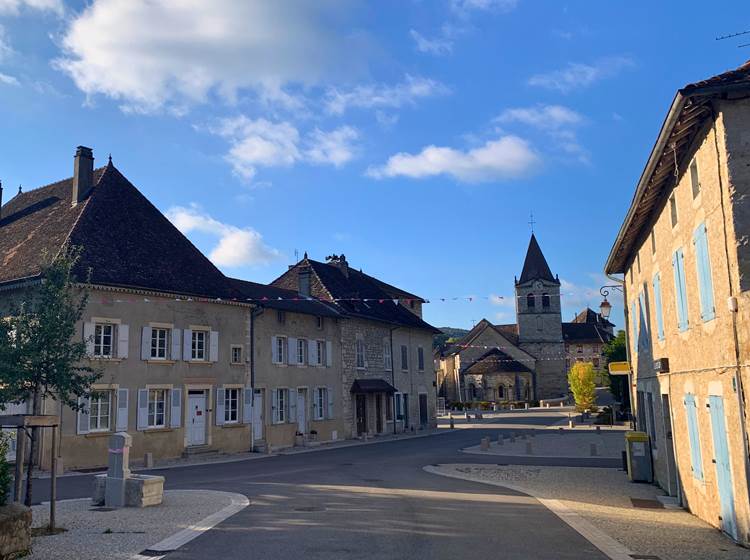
(507, 157)
(576, 297)
(541, 116)
(155, 54)
(335, 147)
(235, 247)
(578, 75)
(375, 96)
(13, 7)
(8, 80)
(5, 49)
(437, 46)
(463, 6)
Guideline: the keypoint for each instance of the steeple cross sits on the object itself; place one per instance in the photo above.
(532, 222)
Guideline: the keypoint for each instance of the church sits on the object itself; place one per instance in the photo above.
(529, 359)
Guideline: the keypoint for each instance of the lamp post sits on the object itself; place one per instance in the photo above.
(605, 309)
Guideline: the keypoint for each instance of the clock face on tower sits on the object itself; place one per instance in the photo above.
(538, 285)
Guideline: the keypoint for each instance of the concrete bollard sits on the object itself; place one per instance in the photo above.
(546, 405)
(484, 444)
(561, 404)
(529, 448)
(148, 460)
(598, 429)
(594, 450)
(526, 406)
(501, 439)
(571, 423)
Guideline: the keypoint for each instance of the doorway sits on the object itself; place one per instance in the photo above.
(302, 411)
(423, 419)
(379, 413)
(361, 408)
(666, 414)
(258, 414)
(406, 411)
(197, 418)
(723, 466)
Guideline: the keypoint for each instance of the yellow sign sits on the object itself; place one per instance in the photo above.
(619, 368)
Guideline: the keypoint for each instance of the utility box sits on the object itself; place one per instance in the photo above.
(638, 449)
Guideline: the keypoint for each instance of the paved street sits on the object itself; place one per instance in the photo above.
(375, 501)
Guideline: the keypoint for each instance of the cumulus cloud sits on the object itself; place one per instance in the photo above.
(541, 116)
(463, 6)
(13, 7)
(577, 75)
(9, 80)
(374, 96)
(235, 246)
(155, 54)
(437, 46)
(335, 147)
(505, 158)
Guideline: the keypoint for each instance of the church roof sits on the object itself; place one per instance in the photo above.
(535, 266)
(495, 360)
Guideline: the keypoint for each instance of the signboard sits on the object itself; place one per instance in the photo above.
(619, 368)
(661, 365)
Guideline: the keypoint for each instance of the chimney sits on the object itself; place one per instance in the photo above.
(340, 263)
(83, 174)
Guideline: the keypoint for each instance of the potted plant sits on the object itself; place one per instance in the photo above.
(313, 435)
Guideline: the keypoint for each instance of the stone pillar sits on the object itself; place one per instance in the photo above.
(118, 469)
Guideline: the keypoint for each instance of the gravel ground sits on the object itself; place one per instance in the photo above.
(123, 532)
(602, 497)
(565, 444)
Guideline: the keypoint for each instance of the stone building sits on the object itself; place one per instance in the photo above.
(684, 255)
(585, 339)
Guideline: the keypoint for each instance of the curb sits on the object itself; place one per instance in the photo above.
(181, 538)
(610, 547)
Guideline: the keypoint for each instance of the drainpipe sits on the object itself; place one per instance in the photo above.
(254, 312)
(393, 378)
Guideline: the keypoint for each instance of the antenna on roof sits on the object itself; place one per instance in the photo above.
(296, 255)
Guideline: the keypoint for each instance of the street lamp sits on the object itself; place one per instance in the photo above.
(605, 308)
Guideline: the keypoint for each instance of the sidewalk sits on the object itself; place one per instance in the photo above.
(568, 444)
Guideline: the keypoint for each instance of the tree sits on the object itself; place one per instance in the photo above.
(582, 381)
(616, 351)
(39, 357)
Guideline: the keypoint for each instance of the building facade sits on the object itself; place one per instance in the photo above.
(686, 263)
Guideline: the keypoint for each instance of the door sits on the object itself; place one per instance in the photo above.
(197, 418)
(423, 409)
(406, 411)
(666, 414)
(301, 411)
(361, 414)
(379, 413)
(258, 414)
(723, 466)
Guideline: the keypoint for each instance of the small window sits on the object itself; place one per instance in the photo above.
(530, 301)
(304, 282)
(653, 242)
(157, 406)
(281, 405)
(198, 346)
(387, 358)
(321, 354)
(281, 317)
(694, 179)
(321, 402)
(236, 354)
(280, 350)
(673, 209)
(360, 353)
(301, 351)
(103, 340)
(159, 344)
(319, 321)
(420, 358)
(545, 301)
(404, 358)
(100, 412)
(231, 405)
(579, 349)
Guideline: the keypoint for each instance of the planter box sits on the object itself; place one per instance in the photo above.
(140, 490)
(15, 531)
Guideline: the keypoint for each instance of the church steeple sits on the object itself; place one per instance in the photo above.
(535, 266)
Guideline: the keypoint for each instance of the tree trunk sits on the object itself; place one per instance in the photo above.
(32, 450)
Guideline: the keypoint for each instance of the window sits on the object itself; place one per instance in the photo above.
(651, 418)
(680, 290)
(644, 322)
(231, 405)
(399, 407)
(500, 392)
(695, 183)
(696, 460)
(281, 405)
(101, 411)
(236, 354)
(198, 346)
(321, 402)
(320, 323)
(281, 317)
(360, 353)
(579, 349)
(321, 353)
(387, 357)
(388, 408)
(103, 340)
(158, 344)
(673, 210)
(304, 282)
(703, 265)
(157, 400)
(404, 357)
(301, 351)
(420, 358)
(545, 301)
(653, 242)
(657, 307)
(530, 301)
(280, 350)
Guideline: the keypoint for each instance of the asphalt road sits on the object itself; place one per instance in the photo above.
(374, 502)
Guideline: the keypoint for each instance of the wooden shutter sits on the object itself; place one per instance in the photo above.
(247, 405)
(220, 407)
(123, 335)
(142, 409)
(291, 350)
(292, 398)
(678, 265)
(316, 414)
(705, 282)
(176, 336)
(657, 307)
(643, 321)
(83, 415)
(122, 410)
(634, 325)
(175, 413)
(312, 352)
(213, 352)
(275, 406)
(696, 460)
(329, 396)
(329, 353)
(88, 338)
(274, 342)
(146, 343)
(187, 344)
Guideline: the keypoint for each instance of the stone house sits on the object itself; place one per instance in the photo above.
(684, 255)
(585, 339)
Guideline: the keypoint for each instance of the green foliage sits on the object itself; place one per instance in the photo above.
(447, 335)
(6, 469)
(616, 351)
(581, 379)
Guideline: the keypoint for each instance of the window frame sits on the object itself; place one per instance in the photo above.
(673, 214)
(321, 400)
(154, 413)
(154, 352)
(321, 346)
(282, 403)
(228, 408)
(232, 349)
(99, 336)
(387, 355)
(420, 358)
(281, 350)
(301, 351)
(95, 397)
(695, 181)
(531, 301)
(195, 335)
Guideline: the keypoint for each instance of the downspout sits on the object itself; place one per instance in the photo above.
(393, 378)
(254, 311)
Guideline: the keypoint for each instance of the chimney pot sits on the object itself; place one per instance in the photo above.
(83, 174)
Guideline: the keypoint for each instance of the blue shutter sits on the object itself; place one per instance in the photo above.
(696, 461)
(678, 265)
(703, 265)
(643, 326)
(634, 324)
(657, 306)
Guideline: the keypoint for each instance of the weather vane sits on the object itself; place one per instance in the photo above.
(531, 222)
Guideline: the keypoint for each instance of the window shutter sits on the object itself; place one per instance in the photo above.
(705, 282)
(292, 350)
(88, 338)
(142, 409)
(657, 306)
(247, 405)
(644, 340)
(696, 459)
(274, 342)
(634, 325)
(329, 395)
(122, 410)
(275, 406)
(175, 352)
(175, 414)
(312, 352)
(213, 351)
(315, 413)
(292, 398)
(146, 343)
(123, 335)
(83, 415)
(329, 353)
(220, 407)
(187, 341)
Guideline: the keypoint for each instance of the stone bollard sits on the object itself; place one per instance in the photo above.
(571, 423)
(148, 460)
(118, 469)
(594, 451)
(484, 444)
(526, 406)
(529, 448)
(598, 429)
(562, 404)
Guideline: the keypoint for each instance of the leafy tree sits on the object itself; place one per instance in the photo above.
(39, 356)
(616, 351)
(582, 381)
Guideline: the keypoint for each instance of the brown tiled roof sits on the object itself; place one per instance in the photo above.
(496, 360)
(535, 266)
(584, 332)
(290, 301)
(588, 315)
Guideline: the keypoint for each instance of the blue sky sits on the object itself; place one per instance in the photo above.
(414, 136)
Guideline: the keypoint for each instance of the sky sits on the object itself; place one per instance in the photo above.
(414, 136)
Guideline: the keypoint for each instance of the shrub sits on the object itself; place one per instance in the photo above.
(581, 380)
(6, 469)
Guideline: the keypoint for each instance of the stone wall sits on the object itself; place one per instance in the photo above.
(15, 531)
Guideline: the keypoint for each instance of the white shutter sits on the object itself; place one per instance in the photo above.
(123, 335)
(275, 406)
(274, 342)
(142, 409)
(187, 342)
(175, 415)
(247, 405)
(220, 407)
(83, 415)
(315, 414)
(213, 351)
(329, 394)
(329, 353)
(292, 350)
(292, 406)
(312, 352)
(122, 410)
(175, 354)
(146, 343)
(88, 338)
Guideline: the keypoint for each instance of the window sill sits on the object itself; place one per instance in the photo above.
(161, 362)
(96, 435)
(103, 359)
(234, 425)
(157, 430)
(199, 363)
(236, 364)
